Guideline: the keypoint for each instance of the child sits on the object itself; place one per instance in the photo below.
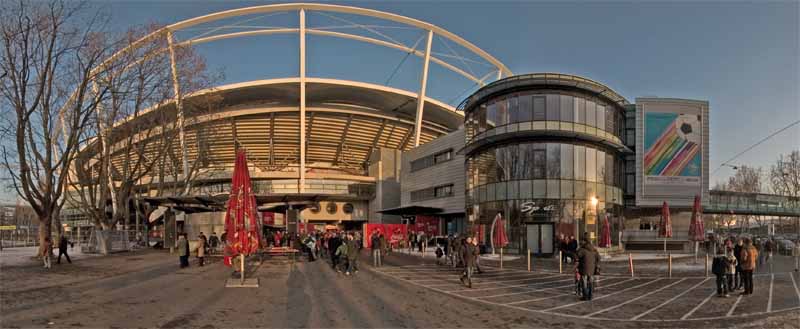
(730, 269)
(719, 267)
(439, 254)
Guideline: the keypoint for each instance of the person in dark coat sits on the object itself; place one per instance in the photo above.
(375, 243)
(572, 247)
(183, 250)
(588, 261)
(333, 244)
(352, 255)
(738, 283)
(470, 255)
(62, 249)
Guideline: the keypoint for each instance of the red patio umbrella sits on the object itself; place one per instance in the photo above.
(240, 218)
(665, 226)
(499, 238)
(605, 238)
(696, 229)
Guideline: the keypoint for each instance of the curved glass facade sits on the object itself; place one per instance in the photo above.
(550, 184)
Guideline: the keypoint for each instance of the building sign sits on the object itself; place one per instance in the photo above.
(8, 227)
(529, 208)
(671, 151)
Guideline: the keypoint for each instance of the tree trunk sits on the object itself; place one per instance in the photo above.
(45, 230)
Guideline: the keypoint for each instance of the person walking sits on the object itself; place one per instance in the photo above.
(730, 269)
(201, 250)
(341, 256)
(749, 259)
(183, 250)
(384, 247)
(718, 267)
(375, 242)
(333, 245)
(213, 242)
(588, 261)
(47, 251)
(352, 255)
(62, 249)
(469, 254)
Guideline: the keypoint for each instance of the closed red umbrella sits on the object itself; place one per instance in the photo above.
(240, 218)
(696, 229)
(665, 226)
(499, 238)
(605, 237)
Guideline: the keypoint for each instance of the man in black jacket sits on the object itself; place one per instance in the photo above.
(737, 252)
(588, 261)
(333, 244)
(470, 255)
(62, 249)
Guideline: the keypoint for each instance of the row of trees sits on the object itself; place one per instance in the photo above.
(781, 178)
(65, 82)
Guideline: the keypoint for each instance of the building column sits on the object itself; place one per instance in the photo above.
(302, 178)
(422, 85)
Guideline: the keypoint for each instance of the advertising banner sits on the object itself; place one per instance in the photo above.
(395, 233)
(671, 151)
(427, 224)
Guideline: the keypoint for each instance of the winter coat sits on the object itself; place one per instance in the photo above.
(731, 262)
(183, 247)
(341, 250)
(201, 250)
(749, 257)
(213, 241)
(375, 242)
(352, 249)
(737, 252)
(718, 265)
(62, 244)
(470, 254)
(572, 246)
(588, 259)
(382, 242)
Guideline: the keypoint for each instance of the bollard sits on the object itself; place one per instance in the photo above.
(529, 260)
(669, 265)
(560, 263)
(706, 265)
(501, 258)
(630, 263)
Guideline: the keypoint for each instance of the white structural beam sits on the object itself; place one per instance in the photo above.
(422, 85)
(302, 178)
(178, 105)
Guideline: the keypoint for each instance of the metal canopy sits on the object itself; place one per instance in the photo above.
(214, 203)
(411, 210)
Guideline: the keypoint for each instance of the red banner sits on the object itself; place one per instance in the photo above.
(394, 233)
(268, 218)
(427, 224)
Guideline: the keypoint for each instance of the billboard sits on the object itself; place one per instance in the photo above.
(671, 151)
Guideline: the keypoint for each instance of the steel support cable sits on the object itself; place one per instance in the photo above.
(754, 145)
(363, 27)
(236, 23)
(462, 58)
(335, 27)
(397, 68)
(472, 86)
(457, 55)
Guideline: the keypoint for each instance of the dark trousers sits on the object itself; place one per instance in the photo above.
(334, 261)
(352, 265)
(63, 252)
(737, 279)
(587, 286)
(202, 260)
(721, 289)
(747, 278)
(184, 261)
(729, 279)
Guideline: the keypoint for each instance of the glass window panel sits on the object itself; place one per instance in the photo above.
(580, 162)
(525, 108)
(601, 166)
(513, 190)
(500, 189)
(591, 164)
(566, 189)
(482, 119)
(567, 165)
(491, 115)
(525, 189)
(601, 117)
(553, 160)
(539, 164)
(610, 172)
(491, 195)
(580, 190)
(580, 110)
(553, 189)
(567, 108)
(502, 112)
(553, 108)
(591, 117)
(513, 109)
(539, 188)
(539, 108)
(611, 119)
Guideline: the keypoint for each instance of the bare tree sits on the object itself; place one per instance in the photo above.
(784, 178)
(49, 59)
(747, 180)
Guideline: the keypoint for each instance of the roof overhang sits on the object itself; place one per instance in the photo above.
(411, 210)
(479, 144)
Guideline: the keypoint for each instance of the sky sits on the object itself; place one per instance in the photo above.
(741, 56)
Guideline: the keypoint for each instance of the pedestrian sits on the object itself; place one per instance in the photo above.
(384, 246)
(62, 249)
(478, 257)
(469, 254)
(421, 241)
(201, 250)
(352, 255)
(183, 250)
(311, 244)
(718, 267)
(749, 258)
(572, 248)
(439, 254)
(375, 243)
(769, 248)
(730, 269)
(213, 242)
(341, 255)
(47, 251)
(448, 250)
(738, 282)
(336, 256)
(588, 261)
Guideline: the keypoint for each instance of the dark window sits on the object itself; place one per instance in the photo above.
(314, 208)
(539, 108)
(331, 208)
(539, 164)
(502, 112)
(481, 118)
(431, 160)
(513, 109)
(553, 108)
(567, 108)
(610, 172)
(567, 163)
(580, 110)
(348, 208)
(525, 108)
(442, 191)
(553, 160)
(591, 117)
(491, 115)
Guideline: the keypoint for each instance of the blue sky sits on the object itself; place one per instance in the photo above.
(740, 56)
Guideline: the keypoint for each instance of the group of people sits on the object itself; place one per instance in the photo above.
(205, 245)
(734, 265)
(47, 250)
(568, 248)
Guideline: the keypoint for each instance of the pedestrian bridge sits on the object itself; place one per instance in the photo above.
(739, 203)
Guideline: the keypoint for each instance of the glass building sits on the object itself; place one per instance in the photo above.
(545, 151)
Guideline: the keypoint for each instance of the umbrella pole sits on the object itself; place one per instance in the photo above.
(665, 246)
(241, 269)
(695, 252)
(501, 258)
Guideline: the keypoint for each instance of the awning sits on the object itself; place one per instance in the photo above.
(156, 214)
(411, 210)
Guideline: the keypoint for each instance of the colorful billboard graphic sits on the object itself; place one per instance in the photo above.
(671, 151)
(673, 142)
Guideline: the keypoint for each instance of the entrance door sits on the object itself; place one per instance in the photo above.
(540, 238)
